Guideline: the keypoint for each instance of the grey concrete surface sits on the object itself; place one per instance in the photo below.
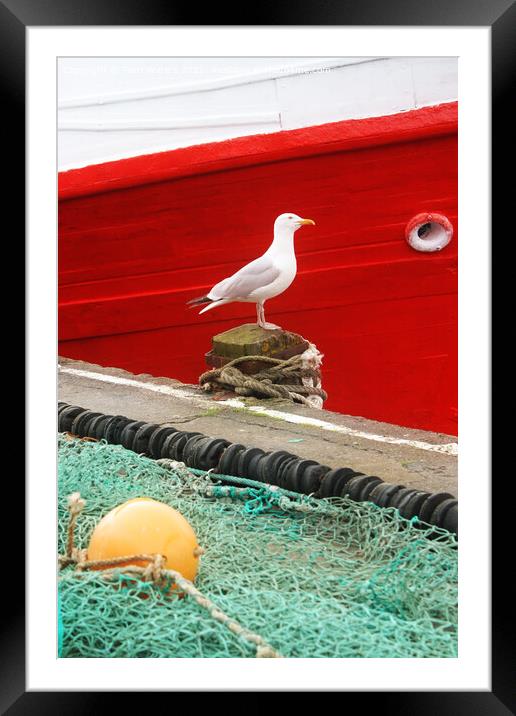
(166, 401)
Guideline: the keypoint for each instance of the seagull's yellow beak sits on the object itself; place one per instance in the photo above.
(304, 222)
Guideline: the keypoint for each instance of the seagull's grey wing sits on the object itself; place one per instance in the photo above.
(260, 272)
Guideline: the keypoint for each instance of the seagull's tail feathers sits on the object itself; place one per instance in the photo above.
(214, 304)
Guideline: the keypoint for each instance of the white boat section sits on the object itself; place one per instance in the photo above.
(112, 108)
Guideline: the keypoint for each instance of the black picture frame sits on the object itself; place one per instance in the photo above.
(500, 16)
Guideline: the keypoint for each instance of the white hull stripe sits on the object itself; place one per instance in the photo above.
(210, 84)
(140, 125)
(447, 448)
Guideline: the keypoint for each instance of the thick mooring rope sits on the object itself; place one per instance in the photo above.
(154, 572)
(266, 383)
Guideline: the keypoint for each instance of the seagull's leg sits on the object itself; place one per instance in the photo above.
(262, 322)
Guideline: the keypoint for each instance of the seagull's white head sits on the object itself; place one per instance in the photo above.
(290, 222)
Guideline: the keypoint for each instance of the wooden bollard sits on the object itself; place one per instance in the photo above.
(252, 340)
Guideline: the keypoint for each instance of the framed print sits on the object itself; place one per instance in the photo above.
(158, 154)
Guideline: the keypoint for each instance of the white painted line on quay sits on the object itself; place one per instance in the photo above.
(446, 448)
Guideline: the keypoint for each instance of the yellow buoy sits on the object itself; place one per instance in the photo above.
(145, 526)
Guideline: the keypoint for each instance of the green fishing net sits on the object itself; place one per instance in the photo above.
(313, 578)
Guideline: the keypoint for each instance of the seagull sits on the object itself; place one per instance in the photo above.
(265, 277)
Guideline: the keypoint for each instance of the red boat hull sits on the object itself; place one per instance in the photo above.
(139, 237)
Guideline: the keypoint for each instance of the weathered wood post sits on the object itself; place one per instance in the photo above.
(249, 340)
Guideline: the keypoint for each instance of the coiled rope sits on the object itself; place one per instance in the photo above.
(268, 382)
